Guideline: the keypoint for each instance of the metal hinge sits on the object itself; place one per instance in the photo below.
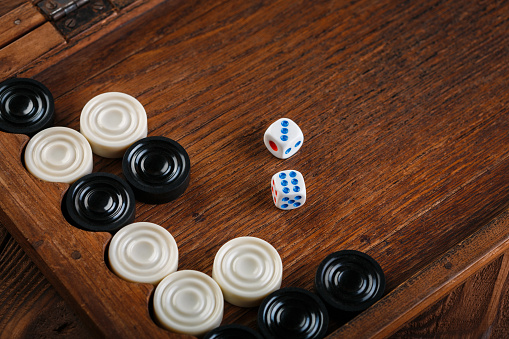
(57, 9)
(71, 17)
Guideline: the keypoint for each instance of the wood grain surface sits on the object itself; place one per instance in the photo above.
(479, 308)
(404, 108)
(7, 6)
(30, 306)
(18, 22)
(28, 48)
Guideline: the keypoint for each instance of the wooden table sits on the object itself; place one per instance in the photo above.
(404, 108)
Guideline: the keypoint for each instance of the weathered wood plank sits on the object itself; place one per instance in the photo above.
(7, 6)
(28, 48)
(18, 22)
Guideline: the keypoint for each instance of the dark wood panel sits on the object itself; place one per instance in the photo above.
(30, 306)
(478, 308)
(9, 5)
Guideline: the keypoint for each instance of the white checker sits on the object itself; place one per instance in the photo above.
(188, 302)
(288, 189)
(283, 138)
(59, 154)
(112, 122)
(143, 252)
(247, 269)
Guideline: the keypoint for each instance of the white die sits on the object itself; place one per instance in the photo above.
(283, 138)
(288, 189)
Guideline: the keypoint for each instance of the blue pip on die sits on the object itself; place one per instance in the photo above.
(288, 189)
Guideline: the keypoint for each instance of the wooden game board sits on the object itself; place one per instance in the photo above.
(404, 109)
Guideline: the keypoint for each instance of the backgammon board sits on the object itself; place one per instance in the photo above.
(404, 109)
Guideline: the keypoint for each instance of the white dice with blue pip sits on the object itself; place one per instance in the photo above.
(283, 138)
(288, 189)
